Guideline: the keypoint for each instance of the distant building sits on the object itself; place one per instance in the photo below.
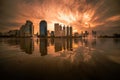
(67, 31)
(43, 28)
(70, 31)
(22, 31)
(27, 30)
(76, 34)
(64, 31)
(12, 33)
(52, 34)
(58, 30)
(86, 33)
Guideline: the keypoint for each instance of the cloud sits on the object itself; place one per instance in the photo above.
(77, 13)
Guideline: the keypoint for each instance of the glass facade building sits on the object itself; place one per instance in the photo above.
(43, 28)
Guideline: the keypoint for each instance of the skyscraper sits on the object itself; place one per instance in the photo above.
(63, 30)
(67, 31)
(27, 30)
(43, 28)
(58, 30)
(70, 31)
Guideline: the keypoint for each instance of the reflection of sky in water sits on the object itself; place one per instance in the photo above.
(59, 59)
(72, 50)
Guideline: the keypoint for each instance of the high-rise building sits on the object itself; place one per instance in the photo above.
(27, 30)
(58, 30)
(70, 31)
(43, 28)
(63, 30)
(67, 31)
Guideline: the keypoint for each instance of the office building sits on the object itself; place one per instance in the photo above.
(43, 28)
(58, 30)
(70, 31)
(64, 31)
(27, 30)
(67, 31)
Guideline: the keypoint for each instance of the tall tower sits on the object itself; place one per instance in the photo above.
(27, 30)
(58, 30)
(43, 28)
(56, 27)
(67, 31)
(70, 31)
(63, 30)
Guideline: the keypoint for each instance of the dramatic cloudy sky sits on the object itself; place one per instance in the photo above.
(101, 15)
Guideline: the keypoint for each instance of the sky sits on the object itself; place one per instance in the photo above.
(101, 15)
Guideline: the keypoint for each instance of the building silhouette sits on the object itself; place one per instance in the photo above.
(67, 31)
(70, 28)
(64, 31)
(52, 34)
(58, 30)
(27, 30)
(43, 28)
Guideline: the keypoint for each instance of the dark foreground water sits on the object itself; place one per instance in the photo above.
(59, 59)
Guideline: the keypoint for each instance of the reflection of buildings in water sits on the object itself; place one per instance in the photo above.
(76, 40)
(93, 43)
(58, 44)
(48, 42)
(37, 40)
(12, 41)
(81, 54)
(43, 47)
(65, 44)
(69, 44)
(89, 43)
(116, 40)
(85, 42)
(52, 41)
(27, 45)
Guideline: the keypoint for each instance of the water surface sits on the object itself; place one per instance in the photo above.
(59, 59)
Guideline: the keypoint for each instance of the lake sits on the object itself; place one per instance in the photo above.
(59, 59)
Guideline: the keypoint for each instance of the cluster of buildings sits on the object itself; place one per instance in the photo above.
(59, 31)
(26, 30)
(62, 31)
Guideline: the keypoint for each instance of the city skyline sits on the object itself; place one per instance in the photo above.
(77, 13)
